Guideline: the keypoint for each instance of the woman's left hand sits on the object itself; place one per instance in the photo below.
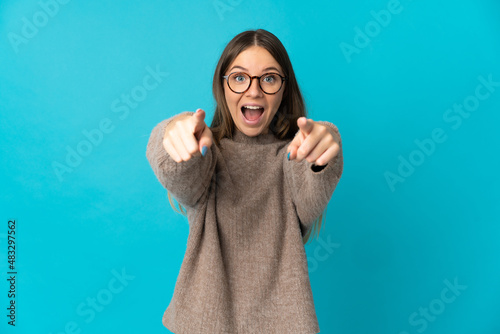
(315, 142)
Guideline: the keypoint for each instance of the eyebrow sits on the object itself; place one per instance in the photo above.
(264, 70)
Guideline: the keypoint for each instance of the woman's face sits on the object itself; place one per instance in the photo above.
(255, 61)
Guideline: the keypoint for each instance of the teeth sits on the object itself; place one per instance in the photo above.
(252, 107)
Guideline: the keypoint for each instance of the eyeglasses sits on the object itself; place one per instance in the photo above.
(240, 82)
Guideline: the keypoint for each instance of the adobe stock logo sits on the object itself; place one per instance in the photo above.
(120, 106)
(321, 252)
(102, 299)
(436, 307)
(363, 37)
(225, 6)
(427, 146)
(30, 28)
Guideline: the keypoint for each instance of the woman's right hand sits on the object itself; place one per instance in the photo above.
(186, 135)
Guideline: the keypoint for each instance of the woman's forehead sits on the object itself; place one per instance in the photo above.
(255, 59)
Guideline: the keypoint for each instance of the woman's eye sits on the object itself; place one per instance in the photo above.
(270, 79)
(239, 78)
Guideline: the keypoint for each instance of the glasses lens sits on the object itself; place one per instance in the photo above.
(270, 83)
(239, 82)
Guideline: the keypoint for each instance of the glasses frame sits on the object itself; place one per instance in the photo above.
(283, 79)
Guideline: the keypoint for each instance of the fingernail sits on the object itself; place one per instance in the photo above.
(289, 155)
(203, 150)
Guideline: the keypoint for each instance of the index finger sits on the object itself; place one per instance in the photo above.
(308, 145)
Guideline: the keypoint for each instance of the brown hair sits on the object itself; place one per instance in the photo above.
(284, 124)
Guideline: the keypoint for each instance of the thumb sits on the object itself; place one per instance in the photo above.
(294, 145)
(205, 141)
(201, 131)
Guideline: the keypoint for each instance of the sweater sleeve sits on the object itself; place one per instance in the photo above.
(312, 186)
(185, 180)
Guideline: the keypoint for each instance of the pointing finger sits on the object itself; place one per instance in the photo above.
(198, 120)
(305, 125)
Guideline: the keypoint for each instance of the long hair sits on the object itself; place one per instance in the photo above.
(284, 123)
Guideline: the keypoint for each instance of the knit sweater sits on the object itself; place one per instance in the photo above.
(245, 267)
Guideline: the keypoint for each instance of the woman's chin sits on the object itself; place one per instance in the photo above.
(251, 131)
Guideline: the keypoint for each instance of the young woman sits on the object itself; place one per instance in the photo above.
(254, 185)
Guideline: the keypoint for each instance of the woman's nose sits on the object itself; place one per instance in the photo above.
(254, 89)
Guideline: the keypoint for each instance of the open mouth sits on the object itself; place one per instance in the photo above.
(252, 113)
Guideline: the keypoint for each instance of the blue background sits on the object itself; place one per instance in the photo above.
(386, 253)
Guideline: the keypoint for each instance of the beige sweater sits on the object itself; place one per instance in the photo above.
(245, 267)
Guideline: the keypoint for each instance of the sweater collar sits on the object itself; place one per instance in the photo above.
(240, 137)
